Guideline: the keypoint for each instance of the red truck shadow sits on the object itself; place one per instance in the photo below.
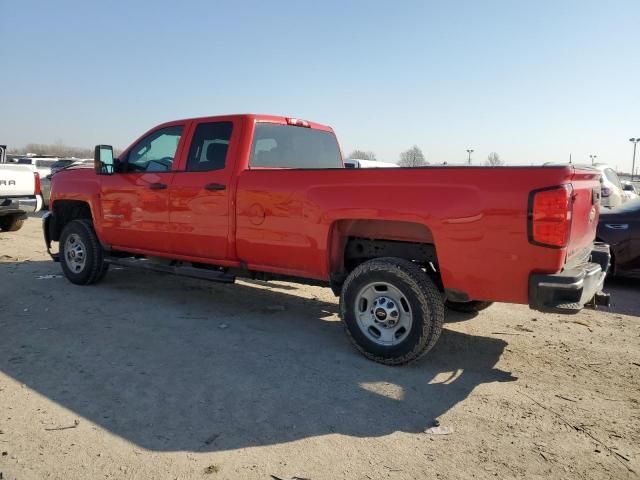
(173, 364)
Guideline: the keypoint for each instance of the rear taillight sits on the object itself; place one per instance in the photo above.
(550, 216)
(38, 186)
(605, 192)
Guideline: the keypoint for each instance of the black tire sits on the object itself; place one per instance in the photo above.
(468, 307)
(94, 268)
(11, 223)
(424, 300)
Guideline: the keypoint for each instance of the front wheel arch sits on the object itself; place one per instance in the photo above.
(66, 211)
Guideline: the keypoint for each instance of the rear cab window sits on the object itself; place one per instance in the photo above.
(287, 146)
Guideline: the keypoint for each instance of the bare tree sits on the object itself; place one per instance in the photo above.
(494, 160)
(412, 158)
(58, 149)
(362, 155)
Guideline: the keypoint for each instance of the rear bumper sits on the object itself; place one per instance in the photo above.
(20, 205)
(573, 289)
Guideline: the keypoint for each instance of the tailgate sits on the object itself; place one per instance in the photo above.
(584, 220)
(16, 181)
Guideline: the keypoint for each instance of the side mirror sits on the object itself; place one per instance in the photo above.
(103, 160)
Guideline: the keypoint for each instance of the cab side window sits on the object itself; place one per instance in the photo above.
(155, 152)
(209, 147)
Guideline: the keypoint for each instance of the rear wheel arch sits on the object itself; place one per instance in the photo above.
(355, 241)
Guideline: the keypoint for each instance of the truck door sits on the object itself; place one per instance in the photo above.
(201, 193)
(135, 199)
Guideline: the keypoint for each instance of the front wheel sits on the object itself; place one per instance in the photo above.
(392, 311)
(81, 255)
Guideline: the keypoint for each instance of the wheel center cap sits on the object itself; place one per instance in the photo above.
(381, 314)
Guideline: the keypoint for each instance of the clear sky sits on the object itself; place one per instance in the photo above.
(533, 81)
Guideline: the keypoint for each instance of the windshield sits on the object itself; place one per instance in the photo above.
(287, 146)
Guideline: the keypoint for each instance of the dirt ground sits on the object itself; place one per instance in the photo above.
(150, 376)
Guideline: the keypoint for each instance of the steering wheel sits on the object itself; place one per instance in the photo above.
(166, 161)
(160, 165)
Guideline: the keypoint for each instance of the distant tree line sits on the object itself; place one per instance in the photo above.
(57, 150)
(413, 157)
(494, 160)
(362, 155)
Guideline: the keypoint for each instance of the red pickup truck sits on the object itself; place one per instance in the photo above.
(268, 197)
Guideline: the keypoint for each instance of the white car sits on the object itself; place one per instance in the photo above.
(629, 190)
(357, 163)
(612, 193)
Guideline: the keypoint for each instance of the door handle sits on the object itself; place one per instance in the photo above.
(215, 186)
(157, 186)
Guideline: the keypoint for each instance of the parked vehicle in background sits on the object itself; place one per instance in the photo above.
(357, 163)
(42, 165)
(629, 190)
(19, 195)
(268, 197)
(620, 228)
(63, 163)
(45, 190)
(612, 191)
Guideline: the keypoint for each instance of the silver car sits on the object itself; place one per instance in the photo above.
(612, 192)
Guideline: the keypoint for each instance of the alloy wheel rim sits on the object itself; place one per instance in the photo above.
(75, 253)
(383, 313)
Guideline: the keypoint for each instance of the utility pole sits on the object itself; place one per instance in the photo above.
(469, 151)
(593, 159)
(633, 163)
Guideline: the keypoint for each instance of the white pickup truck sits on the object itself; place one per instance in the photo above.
(19, 194)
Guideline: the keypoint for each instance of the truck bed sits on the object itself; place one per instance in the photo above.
(476, 217)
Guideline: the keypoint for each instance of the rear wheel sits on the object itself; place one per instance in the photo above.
(81, 255)
(392, 311)
(468, 307)
(11, 223)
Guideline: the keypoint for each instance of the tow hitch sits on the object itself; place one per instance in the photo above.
(600, 299)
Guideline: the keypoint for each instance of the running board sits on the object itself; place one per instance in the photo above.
(185, 271)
